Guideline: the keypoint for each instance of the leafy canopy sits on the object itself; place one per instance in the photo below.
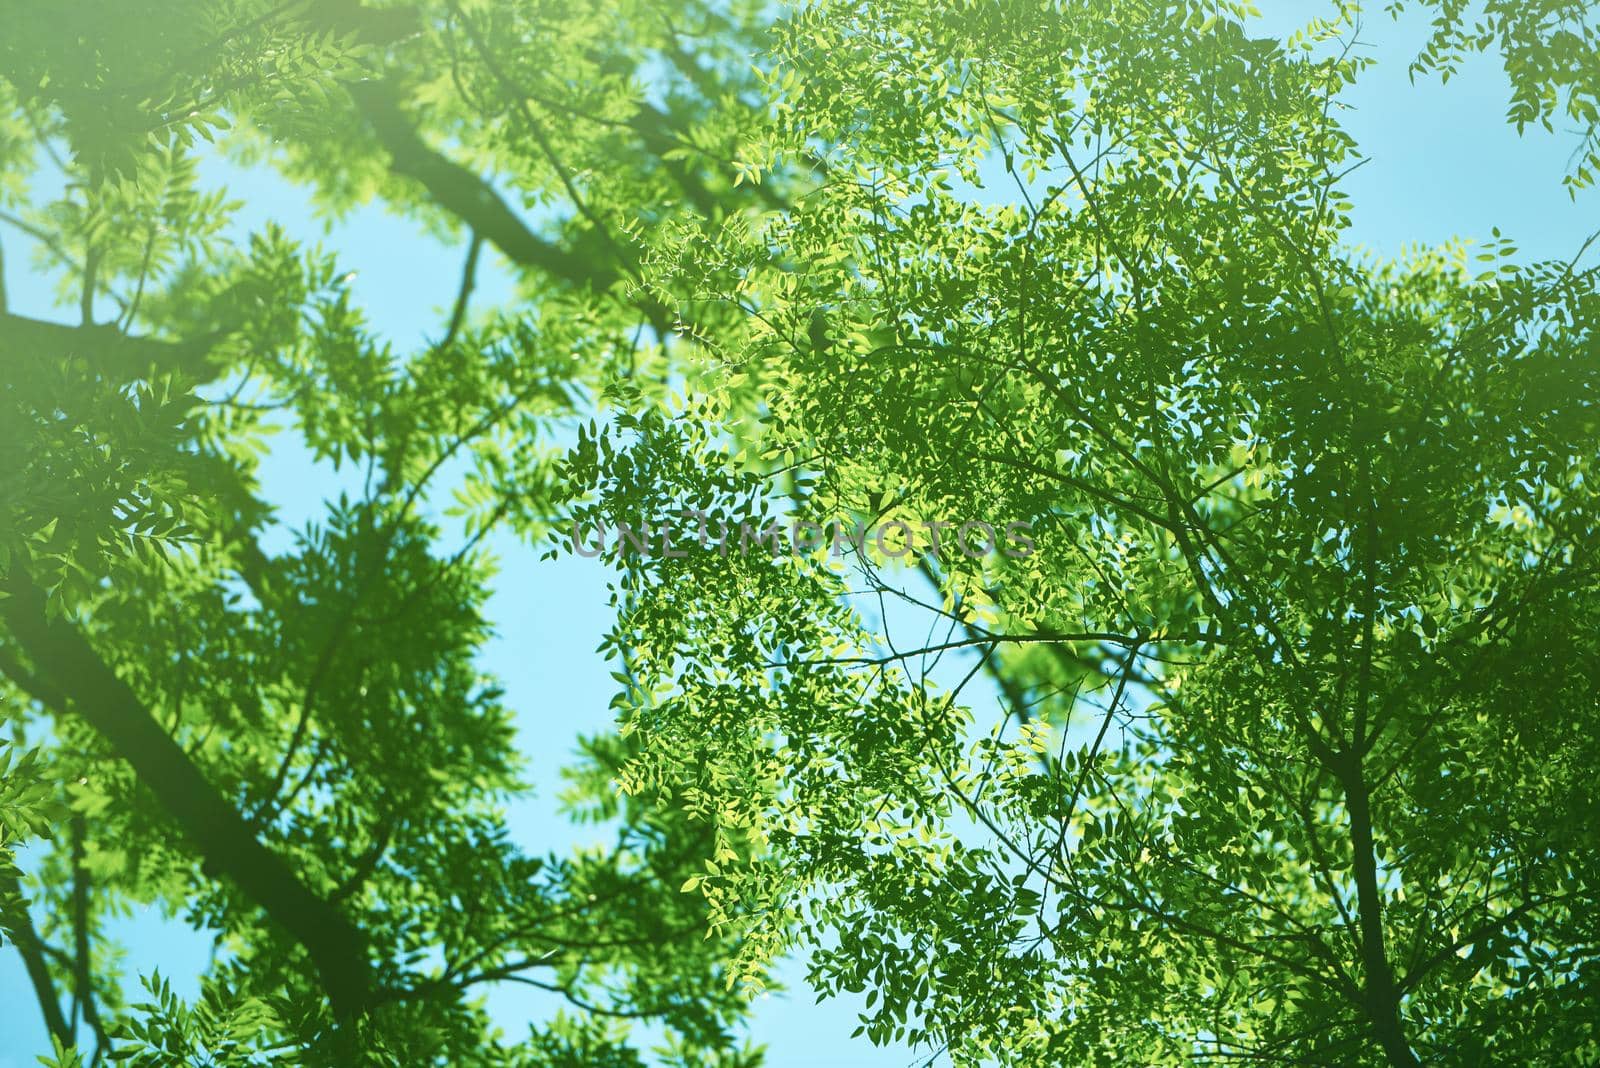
(1287, 752)
(1290, 755)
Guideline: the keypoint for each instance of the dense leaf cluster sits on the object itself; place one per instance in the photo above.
(1277, 747)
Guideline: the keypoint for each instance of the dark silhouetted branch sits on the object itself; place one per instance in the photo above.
(69, 674)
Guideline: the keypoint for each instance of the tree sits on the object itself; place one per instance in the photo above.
(296, 751)
(1291, 762)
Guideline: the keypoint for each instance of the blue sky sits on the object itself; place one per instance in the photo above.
(1443, 165)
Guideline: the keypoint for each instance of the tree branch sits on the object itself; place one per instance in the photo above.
(18, 925)
(1382, 995)
(83, 974)
(464, 194)
(115, 354)
(72, 676)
